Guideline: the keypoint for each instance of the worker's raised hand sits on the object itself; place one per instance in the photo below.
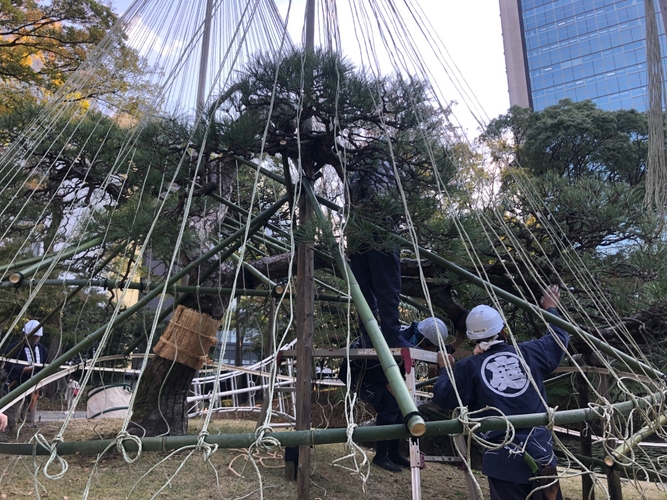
(551, 297)
(3, 422)
(445, 359)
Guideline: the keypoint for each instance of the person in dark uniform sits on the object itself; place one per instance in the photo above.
(34, 353)
(370, 382)
(374, 258)
(497, 375)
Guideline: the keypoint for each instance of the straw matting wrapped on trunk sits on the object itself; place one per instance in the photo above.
(188, 338)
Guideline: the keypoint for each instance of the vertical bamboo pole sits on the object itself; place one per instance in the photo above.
(614, 485)
(203, 60)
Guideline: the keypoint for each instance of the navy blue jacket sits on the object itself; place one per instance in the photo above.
(498, 378)
(15, 372)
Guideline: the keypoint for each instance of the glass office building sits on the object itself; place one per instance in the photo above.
(578, 49)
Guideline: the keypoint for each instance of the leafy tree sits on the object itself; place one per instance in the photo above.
(42, 43)
(345, 120)
(580, 170)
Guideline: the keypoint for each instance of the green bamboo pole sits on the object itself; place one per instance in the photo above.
(616, 455)
(25, 262)
(414, 421)
(97, 334)
(203, 290)
(45, 262)
(423, 383)
(338, 435)
(244, 212)
(255, 272)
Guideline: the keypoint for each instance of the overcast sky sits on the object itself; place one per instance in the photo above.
(470, 30)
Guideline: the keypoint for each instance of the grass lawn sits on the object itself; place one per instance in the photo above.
(229, 475)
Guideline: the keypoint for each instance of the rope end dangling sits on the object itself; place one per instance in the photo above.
(205, 448)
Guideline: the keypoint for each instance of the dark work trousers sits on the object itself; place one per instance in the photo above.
(379, 276)
(387, 409)
(504, 490)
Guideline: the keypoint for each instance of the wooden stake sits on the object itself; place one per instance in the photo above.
(304, 321)
(585, 440)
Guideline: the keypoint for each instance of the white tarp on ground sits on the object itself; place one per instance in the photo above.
(110, 401)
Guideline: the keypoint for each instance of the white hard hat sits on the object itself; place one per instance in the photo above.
(432, 329)
(31, 325)
(483, 322)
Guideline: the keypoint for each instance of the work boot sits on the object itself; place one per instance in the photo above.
(382, 461)
(394, 454)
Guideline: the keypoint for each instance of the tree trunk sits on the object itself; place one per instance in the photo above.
(55, 347)
(161, 406)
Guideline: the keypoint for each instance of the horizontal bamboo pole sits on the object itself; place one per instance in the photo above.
(143, 287)
(330, 436)
(36, 259)
(21, 263)
(97, 334)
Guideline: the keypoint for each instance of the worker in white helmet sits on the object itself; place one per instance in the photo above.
(499, 376)
(428, 334)
(33, 353)
(370, 382)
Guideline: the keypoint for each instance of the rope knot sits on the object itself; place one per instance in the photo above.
(53, 448)
(265, 443)
(551, 416)
(120, 446)
(205, 448)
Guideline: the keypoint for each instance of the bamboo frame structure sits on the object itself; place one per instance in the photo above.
(630, 362)
(330, 436)
(97, 334)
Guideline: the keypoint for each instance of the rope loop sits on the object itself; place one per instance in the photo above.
(265, 443)
(470, 425)
(205, 448)
(551, 416)
(354, 451)
(120, 446)
(53, 447)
